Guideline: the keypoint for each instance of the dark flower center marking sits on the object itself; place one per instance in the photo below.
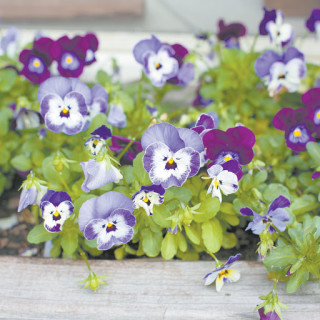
(158, 65)
(171, 164)
(56, 216)
(223, 273)
(282, 76)
(110, 226)
(65, 112)
(95, 142)
(147, 200)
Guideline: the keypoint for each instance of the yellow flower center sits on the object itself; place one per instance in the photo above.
(36, 63)
(65, 111)
(69, 59)
(158, 65)
(146, 199)
(171, 161)
(318, 114)
(95, 142)
(223, 273)
(216, 183)
(56, 214)
(109, 225)
(297, 132)
(227, 158)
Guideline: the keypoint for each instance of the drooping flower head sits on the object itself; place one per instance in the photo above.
(272, 24)
(147, 197)
(9, 42)
(56, 208)
(272, 315)
(26, 119)
(233, 144)
(36, 61)
(276, 216)
(107, 218)
(281, 71)
(311, 99)
(98, 138)
(297, 125)
(230, 33)
(171, 154)
(63, 104)
(313, 22)
(224, 274)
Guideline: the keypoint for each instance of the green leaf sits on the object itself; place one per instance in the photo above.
(182, 242)
(260, 177)
(7, 79)
(39, 234)
(193, 234)
(160, 215)
(21, 162)
(273, 190)
(280, 174)
(304, 204)
(229, 240)
(207, 210)
(56, 249)
(227, 208)
(169, 246)
(212, 235)
(139, 172)
(127, 172)
(299, 278)
(99, 120)
(69, 240)
(180, 193)
(103, 78)
(151, 242)
(123, 99)
(280, 257)
(313, 149)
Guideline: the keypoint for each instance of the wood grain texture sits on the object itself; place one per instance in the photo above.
(293, 8)
(139, 289)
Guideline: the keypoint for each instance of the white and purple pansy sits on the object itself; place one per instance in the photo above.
(98, 138)
(275, 219)
(147, 197)
(171, 154)
(56, 208)
(224, 274)
(92, 47)
(281, 71)
(157, 60)
(222, 181)
(107, 218)
(313, 22)
(26, 119)
(116, 117)
(206, 122)
(63, 104)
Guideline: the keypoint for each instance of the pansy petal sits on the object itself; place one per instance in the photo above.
(93, 228)
(228, 182)
(210, 277)
(191, 139)
(279, 202)
(246, 211)
(219, 283)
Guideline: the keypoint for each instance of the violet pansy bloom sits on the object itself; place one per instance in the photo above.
(98, 138)
(313, 22)
(171, 154)
(233, 144)
(147, 197)
(230, 33)
(63, 104)
(272, 315)
(9, 42)
(116, 116)
(276, 217)
(108, 219)
(281, 71)
(206, 122)
(311, 99)
(92, 46)
(273, 24)
(298, 126)
(157, 60)
(56, 208)
(224, 274)
(37, 60)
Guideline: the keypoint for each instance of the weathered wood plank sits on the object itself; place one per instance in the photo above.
(139, 289)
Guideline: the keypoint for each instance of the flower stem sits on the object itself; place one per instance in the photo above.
(85, 258)
(274, 284)
(214, 257)
(125, 149)
(65, 185)
(283, 235)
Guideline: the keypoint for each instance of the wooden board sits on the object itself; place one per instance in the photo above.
(293, 8)
(139, 289)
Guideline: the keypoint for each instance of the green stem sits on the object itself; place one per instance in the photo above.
(65, 185)
(85, 258)
(125, 149)
(274, 284)
(214, 257)
(283, 235)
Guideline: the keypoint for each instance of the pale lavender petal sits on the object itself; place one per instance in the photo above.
(117, 117)
(56, 85)
(27, 197)
(144, 46)
(186, 74)
(191, 139)
(91, 231)
(264, 62)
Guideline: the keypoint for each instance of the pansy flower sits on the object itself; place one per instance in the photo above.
(9, 42)
(36, 61)
(311, 99)
(116, 116)
(98, 138)
(63, 104)
(233, 144)
(222, 181)
(224, 274)
(147, 197)
(272, 315)
(92, 47)
(283, 71)
(199, 100)
(230, 33)
(108, 219)
(118, 143)
(206, 122)
(313, 22)
(276, 217)
(157, 60)
(171, 154)
(272, 24)
(56, 208)
(26, 119)
(298, 126)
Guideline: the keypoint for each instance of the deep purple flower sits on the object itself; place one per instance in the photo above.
(56, 207)
(315, 175)
(206, 122)
(98, 173)
(8, 43)
(297, 125)
(26, 119)
(147, 197)
(63, 104)
(92, 46)
(313, 22)
(171, 154)
(311, 99)
(275, 217)
(108, 219)
(98, 138)
(233, 144)
(199, 100)
(230, 33)
(272, 315)
(36, 61)
(116, 116)
(272, 24)
(224, 274)
(281, 71)
(118, 143)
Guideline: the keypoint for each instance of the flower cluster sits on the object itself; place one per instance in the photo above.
(230, 33)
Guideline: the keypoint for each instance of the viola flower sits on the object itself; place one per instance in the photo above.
(153, 111)
(272, 24)
(36, 61)
(224, 274)
(157, 60)
(108, 219)
(230, 33)
(206, 122)
(63, 104)
(233, 144)
(171, 154)
(26, 119)
(116, 116)
(313, 22)
(200, 101)
(272, 315)
(147, 197)
(311, 99)
(275, 217)
(118, 143)
(281, 71)
(232, 166)
(98, 140)
(9, 42)
(56, 208)
(99, 173)
(222, 181)
(297, 125)
(92, 47)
